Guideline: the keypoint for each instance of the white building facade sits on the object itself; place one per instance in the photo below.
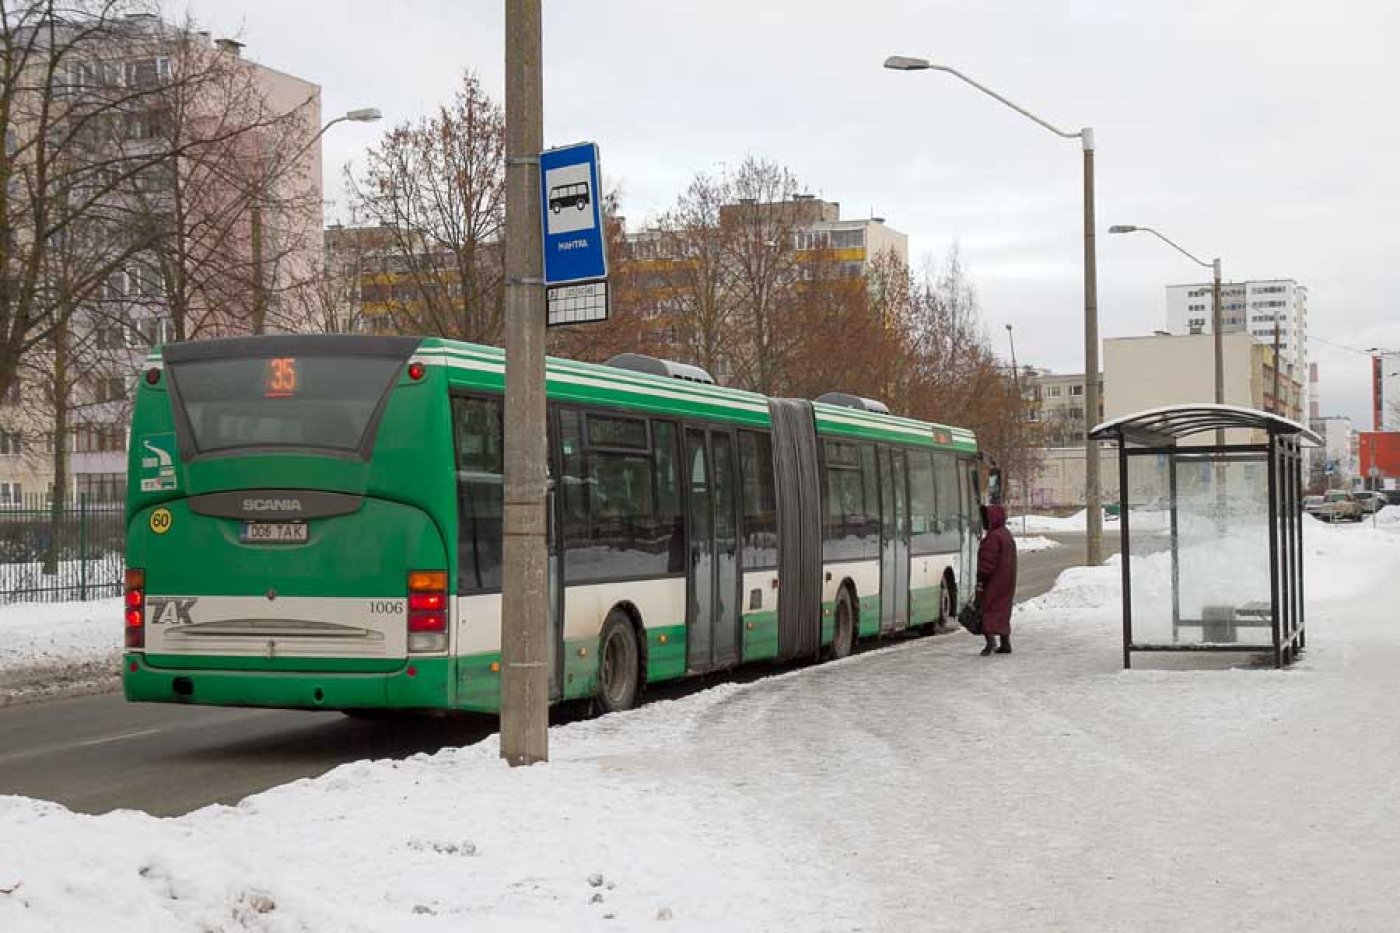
(1253, 307)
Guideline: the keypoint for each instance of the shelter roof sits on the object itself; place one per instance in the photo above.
(1162, 427)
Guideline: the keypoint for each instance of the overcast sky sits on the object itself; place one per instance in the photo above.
(1265, 132)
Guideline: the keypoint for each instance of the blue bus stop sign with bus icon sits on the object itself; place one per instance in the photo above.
(571, 215)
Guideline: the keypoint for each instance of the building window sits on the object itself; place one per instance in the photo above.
(10, 444)
(11, 494)
(111, 389)
(1076, 391)
(1054, 391)
(101, 487)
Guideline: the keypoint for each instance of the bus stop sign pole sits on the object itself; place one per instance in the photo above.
(524, 607)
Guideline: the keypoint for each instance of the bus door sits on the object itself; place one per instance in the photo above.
(712, 581)
(970, 487)
(894, 541)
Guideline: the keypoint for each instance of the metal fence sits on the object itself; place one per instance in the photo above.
(57, 555)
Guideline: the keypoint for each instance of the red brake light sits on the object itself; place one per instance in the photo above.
(152, 376)
(427, 602)
(135, 601)
(427, 621)
(416, 371)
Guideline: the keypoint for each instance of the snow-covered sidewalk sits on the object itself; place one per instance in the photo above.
(59, 648)
(915, 788)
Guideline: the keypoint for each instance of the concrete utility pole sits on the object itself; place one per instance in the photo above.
(1217, 326)
(1092, 494)
(1020, 431)
(524, 606)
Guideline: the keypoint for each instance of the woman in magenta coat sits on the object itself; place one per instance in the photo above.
(996, 579)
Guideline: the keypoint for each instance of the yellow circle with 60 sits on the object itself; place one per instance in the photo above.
(161, 520)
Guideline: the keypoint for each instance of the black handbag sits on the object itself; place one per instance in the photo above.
(970, 617)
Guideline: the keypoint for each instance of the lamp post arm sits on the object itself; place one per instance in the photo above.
(1199, 262)
(1082, 134)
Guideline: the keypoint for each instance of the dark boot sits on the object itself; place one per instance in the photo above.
(1005, 645)
(990, 646)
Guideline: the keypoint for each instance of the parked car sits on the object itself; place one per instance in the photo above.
(1312, 504)
(1338, 505)
(1370, 501)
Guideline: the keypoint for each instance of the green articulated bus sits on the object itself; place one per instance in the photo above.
(315, 522)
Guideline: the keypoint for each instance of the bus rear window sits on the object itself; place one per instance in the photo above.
(287, 401)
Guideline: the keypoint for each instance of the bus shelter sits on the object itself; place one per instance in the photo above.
(1210, 514)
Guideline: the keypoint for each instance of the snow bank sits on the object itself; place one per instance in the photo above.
(47, 633)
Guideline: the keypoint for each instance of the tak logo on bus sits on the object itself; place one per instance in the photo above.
(180, 608)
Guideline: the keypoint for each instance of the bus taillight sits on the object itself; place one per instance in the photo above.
(135, 603)
(427, 610)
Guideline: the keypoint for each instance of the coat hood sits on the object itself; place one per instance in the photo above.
(995, 517)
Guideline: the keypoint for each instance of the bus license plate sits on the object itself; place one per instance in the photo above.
(272, 532)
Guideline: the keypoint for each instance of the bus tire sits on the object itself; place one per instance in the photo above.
(843, 634)
(619, 664)
(947, 603)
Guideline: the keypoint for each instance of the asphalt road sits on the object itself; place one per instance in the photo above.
(99, 753)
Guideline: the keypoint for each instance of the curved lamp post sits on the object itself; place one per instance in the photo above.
(1216, 315)
(260, 297)
(1094, 544)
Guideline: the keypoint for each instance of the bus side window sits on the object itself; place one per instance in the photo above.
(477, 430)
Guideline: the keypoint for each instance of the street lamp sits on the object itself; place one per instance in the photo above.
(1094, 543)
(263, 182)
(1215, 317)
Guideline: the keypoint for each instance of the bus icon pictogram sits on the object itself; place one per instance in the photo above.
(562, 196)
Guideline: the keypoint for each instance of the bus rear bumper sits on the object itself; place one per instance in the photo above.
(419, 684)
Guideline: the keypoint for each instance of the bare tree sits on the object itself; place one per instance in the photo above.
(954, 376)
(761, 269)
(635, 324)
(682, 262)
(437, 188)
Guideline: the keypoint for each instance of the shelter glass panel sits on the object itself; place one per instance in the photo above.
(1199, 545)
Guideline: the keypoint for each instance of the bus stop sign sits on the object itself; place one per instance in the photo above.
(575, 254)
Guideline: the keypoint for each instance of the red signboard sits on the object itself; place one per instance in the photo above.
(1380, 449)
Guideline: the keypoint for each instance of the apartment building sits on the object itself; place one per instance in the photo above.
(1054, 402)
(212, 235)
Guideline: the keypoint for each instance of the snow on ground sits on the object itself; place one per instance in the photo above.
(1142, 520)
(1035, 543)
(917, 788)
(58, 647)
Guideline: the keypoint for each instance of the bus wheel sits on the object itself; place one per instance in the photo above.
(947, 604)
(843, 638)
(618, 669)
